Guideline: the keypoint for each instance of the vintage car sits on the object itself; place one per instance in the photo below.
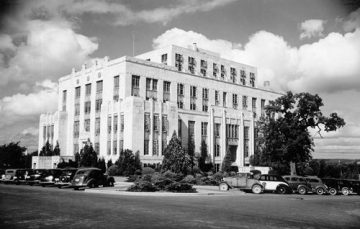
(317, 186)
(49, 177)
(91, 178)
(298, 184)
(35, 176)
(336, 186)
(15, 176)
(65, 178)
(243, 181)
(274, 183)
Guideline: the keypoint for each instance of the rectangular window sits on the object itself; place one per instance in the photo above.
(76, 129)
(217, 150)
(121, 123)
(135, 85)
(88, 89)
(215, 70)
(115, 124)
(178, 61)
(156, 123)
(179, 128)
(116, 88)
(244, 102)
(235, 101)
(192, 64)
(204, 126)
(121, 145)
(77, 109)
(164, 58)
(233, 74)
(98, 103)
(253, 105)
(99, 87)
(77, 92)
(217, 130)
(165, 124)
(223, 71)
(203, 65)
(166, 91)
(109, 147)
(156, 147)
(147, 122)
(217, 98)
(243, 77)
(87, 125)
(246, 141)
(191, 125)
(64, 95)
(224, 99)
(87, 107)
(180, 89)
(146, 147)
(151, 88)
(192, 105)
(205, 97)
(252, 79)
(263, 107)
(114, 147)
(109, 125)
(192, 91)
(97, 126)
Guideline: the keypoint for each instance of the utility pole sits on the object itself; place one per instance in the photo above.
(133, 43)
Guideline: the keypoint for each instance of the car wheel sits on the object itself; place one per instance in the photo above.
(111, 184)
(223, 187)
(256, 189)
(345, 191)
(91, 185)
(320, 191)
(281, 189)
(302, 190)
(332, 191)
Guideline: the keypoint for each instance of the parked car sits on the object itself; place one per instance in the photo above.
(35, 176)
(317, 186)
(65, 178)
(9, 176)
(15, 176)
(91, 178)
(298, 184)
(274, 183)
(243, 181)
(355, 184)
(2, 174)
(48, 177)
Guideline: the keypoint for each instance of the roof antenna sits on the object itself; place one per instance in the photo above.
(133, 43)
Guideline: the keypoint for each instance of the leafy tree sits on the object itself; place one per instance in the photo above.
(101, 164)
(88, 156)
(176, 159)
(226, 164)
(191, 153)
(46, 150)
(56, 151)
(128, 163)
(286, 129)
(11, 155)
(203, 166)
(109, 163)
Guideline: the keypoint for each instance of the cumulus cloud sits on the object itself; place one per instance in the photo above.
(30, 131)
(312, 28)
(353, 21)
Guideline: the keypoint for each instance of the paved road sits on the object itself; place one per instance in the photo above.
(38, 207)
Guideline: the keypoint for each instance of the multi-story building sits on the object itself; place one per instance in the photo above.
(138, 102)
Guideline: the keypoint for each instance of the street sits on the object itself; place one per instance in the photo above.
(38, 207)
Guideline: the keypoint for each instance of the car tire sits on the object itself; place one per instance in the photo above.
(256, 189)
(302, 190)
(345, 191)
(333, 191)
(223, 187)
(91, 185)
(320, 191)
(281, 189)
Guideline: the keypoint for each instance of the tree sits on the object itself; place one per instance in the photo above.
(203, 166)
(226, 164)
(56, 151)
(191, 153)
(286, 127)
(176, 159)
(101, 164)
(11, 155)
(88, 156)
(109, 163)
(46, 150)
(128, 163)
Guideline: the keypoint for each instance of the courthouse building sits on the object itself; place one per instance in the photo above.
(138, 102)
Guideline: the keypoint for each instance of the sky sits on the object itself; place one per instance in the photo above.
(298, 45)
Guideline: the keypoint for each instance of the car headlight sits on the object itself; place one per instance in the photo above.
(49, 178)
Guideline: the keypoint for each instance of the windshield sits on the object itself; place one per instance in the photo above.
(83, 172)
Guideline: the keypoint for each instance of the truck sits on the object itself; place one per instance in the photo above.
(243, 181)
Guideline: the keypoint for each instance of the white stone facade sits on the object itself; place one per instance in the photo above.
(138, 102)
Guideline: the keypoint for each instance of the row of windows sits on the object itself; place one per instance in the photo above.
(99, 89)
(156, 123)
(179, 60)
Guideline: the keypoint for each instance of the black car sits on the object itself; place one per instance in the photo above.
(91, 178)
(298, 184)
(336, 186)
(67, 174)
(35, 176)
(49, 177)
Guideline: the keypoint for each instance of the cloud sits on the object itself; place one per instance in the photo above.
(121, 14)
(31, 131)
(353, 21)
(312, 28)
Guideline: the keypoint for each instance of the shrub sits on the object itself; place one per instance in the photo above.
(133, 178)
(146, 177)
(147, 170)
(113, 170)
(218, 176)
(143, 186)
(189, 179)
(180, 187)
(173, 176)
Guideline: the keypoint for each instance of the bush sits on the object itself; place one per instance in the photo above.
(189, 179)
(147, 170)
(180, 187)
(113, 170)
(133, 178)
(143, 186)
(173, 176)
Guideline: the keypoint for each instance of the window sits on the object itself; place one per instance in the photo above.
(109, 147)
(116, 82)
(121, 145)
(146, 147)
(99, 86)
(77, 109)
(151, 88)
(244, 102)
(252, 79)
(217, 150)
(147, 122)
(215, 70)
(178, 61)
(192, 91)
(87, 125)
(156, 123)
(88, 89)
(122, 123)
(243, 77)
(115, 124)
(192, 104)
(204, 126)
(217, 130)
(262, 107)
(156, 147)
(203, 64)
(232, 131)
(180, 128)
(205, 97)
(76, 129)
(116, 88)
(253, 104)
(165, 124)
(192, 64)
(192, 98)
(233, 75)
(64, 100)
(166, 91)
(97, 126)
(180, 89)
(217, 98)
(114, 147)
(98, 103)
(223, 71)
(109, 125)
(135, 85)
(77, 92)
(191, 126)
(87, 107)
(235, 101)
(224, 99)
(164, 58)
(246, 141)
